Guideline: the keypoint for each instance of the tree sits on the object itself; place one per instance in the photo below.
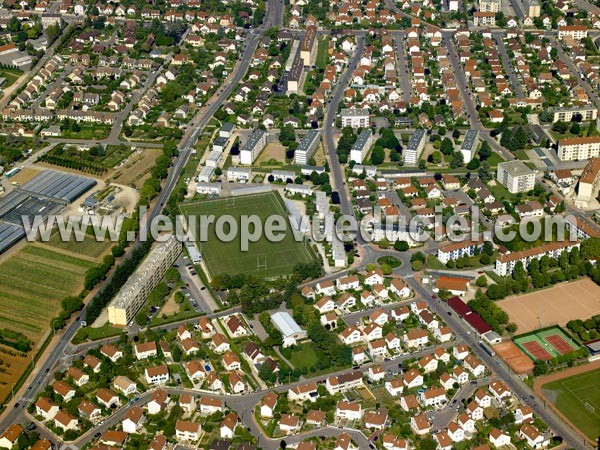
(575, 128)
(417, 265)
(447, 147)
(481, 281)
(485, 151)
(172, 275)
(400, 246)
(511, 327)
(436, 157)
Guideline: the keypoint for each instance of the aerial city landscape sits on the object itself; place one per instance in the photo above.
(302, 224)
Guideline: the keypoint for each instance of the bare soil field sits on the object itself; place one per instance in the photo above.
(554, 306)
(137, 168)
(274, 151)
(25, 175)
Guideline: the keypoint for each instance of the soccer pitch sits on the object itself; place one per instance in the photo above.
(263, 258)
(578, 398)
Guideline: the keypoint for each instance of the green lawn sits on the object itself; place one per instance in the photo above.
(263, 257)
(494, 160)
(522, 155)
(578, 398)
(322, 56)
(11, 76)
(304, 357)
(87, 132)
(501, 193)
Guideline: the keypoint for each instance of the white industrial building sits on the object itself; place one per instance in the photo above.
(290, 330)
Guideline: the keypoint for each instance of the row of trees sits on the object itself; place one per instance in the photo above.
(585, 330)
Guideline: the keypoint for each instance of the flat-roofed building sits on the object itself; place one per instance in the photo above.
(515, 176)
(239, 174)
(469, 145)
(361, 147)
(226, 130)
(414, 148)
(355, 118)
(567, 114)
(306, 148)
(123, 308)
(578, 148)
(253, 146)
(206, 174)
(219, 144)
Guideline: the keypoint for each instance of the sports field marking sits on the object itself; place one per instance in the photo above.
(585, 401)
(536, 350)
(265, 258)
(562, 346)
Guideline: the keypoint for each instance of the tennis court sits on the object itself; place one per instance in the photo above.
(559, 344)
(536, 350)
(546, 344)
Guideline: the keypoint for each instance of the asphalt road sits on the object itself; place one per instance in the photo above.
(506, 62)
(402, 66)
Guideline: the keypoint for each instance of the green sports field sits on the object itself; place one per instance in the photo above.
(578, 398)
(263, 258)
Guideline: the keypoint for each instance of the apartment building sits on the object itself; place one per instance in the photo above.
(588, 183)
(455, 250)
(567, 114)
(484, 19)
(414, 148)
(469, 145)
(362, 146)
(253, 146)
(306, 148)
(308, 47)
(355, 118)
(490, 5)
(534, 8)
(578, 148)
(576, 32)
(515, 176)
(123, 308)
(505, 264)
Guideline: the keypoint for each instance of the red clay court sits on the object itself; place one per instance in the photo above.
(536, 350)
(562, 346)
